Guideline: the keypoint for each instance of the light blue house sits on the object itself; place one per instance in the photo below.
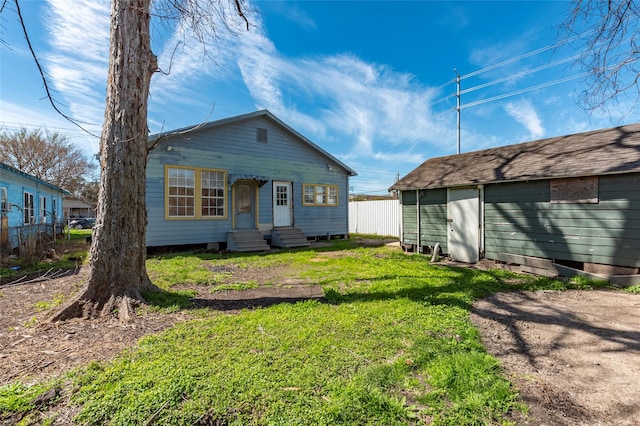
(30, 207)
(241, 183)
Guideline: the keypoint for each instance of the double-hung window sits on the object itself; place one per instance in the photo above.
(193, 193)
(43, 209)
(4, 199)
(28, 209)
(212, 190)
(181, 192)
(319, 195)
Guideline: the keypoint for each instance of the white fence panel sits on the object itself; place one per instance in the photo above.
(377, 217)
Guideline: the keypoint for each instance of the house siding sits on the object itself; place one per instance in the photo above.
(234, 148)
(16, 184)
(520, 219)
(433, 218)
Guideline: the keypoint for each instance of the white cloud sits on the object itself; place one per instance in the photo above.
(294, 14)
(362, 102)
(185, 60)
(42, 116)
(359, 108)
(524, 113)
(78, 60)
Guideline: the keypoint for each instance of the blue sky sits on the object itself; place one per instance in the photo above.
(371, 82)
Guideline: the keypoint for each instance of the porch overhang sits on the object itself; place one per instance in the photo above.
(233, 178)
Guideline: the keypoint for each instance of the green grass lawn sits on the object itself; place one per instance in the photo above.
(391, 345)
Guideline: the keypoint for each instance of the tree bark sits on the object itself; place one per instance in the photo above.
(117, 259)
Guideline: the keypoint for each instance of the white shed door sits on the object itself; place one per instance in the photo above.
(463, 230)
(282, 204)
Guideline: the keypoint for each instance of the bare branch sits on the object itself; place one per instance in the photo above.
(611, 52)
(170, 60)
(42, 74)
(183, 132)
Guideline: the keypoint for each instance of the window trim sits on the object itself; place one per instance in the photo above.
(325, 191)
(197, 193)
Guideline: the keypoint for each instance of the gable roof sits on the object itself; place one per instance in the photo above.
(607, 151)
(77, 202)
(153, 139)
(39, 181)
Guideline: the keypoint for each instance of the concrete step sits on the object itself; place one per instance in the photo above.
(246, 240)
(288, 238)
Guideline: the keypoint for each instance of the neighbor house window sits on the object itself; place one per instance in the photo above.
(43, 209)
(320, 195)
(195, 193)
(29, 209)
(574, 190)
(4, 199)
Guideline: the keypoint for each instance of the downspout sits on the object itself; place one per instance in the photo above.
(418, 242)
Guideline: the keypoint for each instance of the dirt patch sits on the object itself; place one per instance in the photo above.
(574, 355)
(32, 349)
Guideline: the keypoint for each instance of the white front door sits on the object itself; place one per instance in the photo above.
(463, 230)
(282, 204)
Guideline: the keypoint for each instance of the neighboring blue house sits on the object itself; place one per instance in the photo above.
(30, 206)
(241, 182)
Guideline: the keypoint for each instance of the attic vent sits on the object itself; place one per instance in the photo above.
(262, 135)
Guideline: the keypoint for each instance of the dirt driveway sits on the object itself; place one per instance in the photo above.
(575, 355)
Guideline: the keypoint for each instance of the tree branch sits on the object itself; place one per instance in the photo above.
(42, 74)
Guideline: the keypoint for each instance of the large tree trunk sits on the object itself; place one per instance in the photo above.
(118, 273)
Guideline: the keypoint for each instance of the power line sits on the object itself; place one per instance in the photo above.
(459, 106)
(520, 74)
(60, 130)
(518, 92)
(523, 56)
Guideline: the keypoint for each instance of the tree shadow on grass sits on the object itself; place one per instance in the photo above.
(235, 300)
(460, 288)
(456, 292)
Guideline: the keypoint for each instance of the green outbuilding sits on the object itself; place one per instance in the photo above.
(569, 202)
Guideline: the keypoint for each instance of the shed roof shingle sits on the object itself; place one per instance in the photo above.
(608, 151)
